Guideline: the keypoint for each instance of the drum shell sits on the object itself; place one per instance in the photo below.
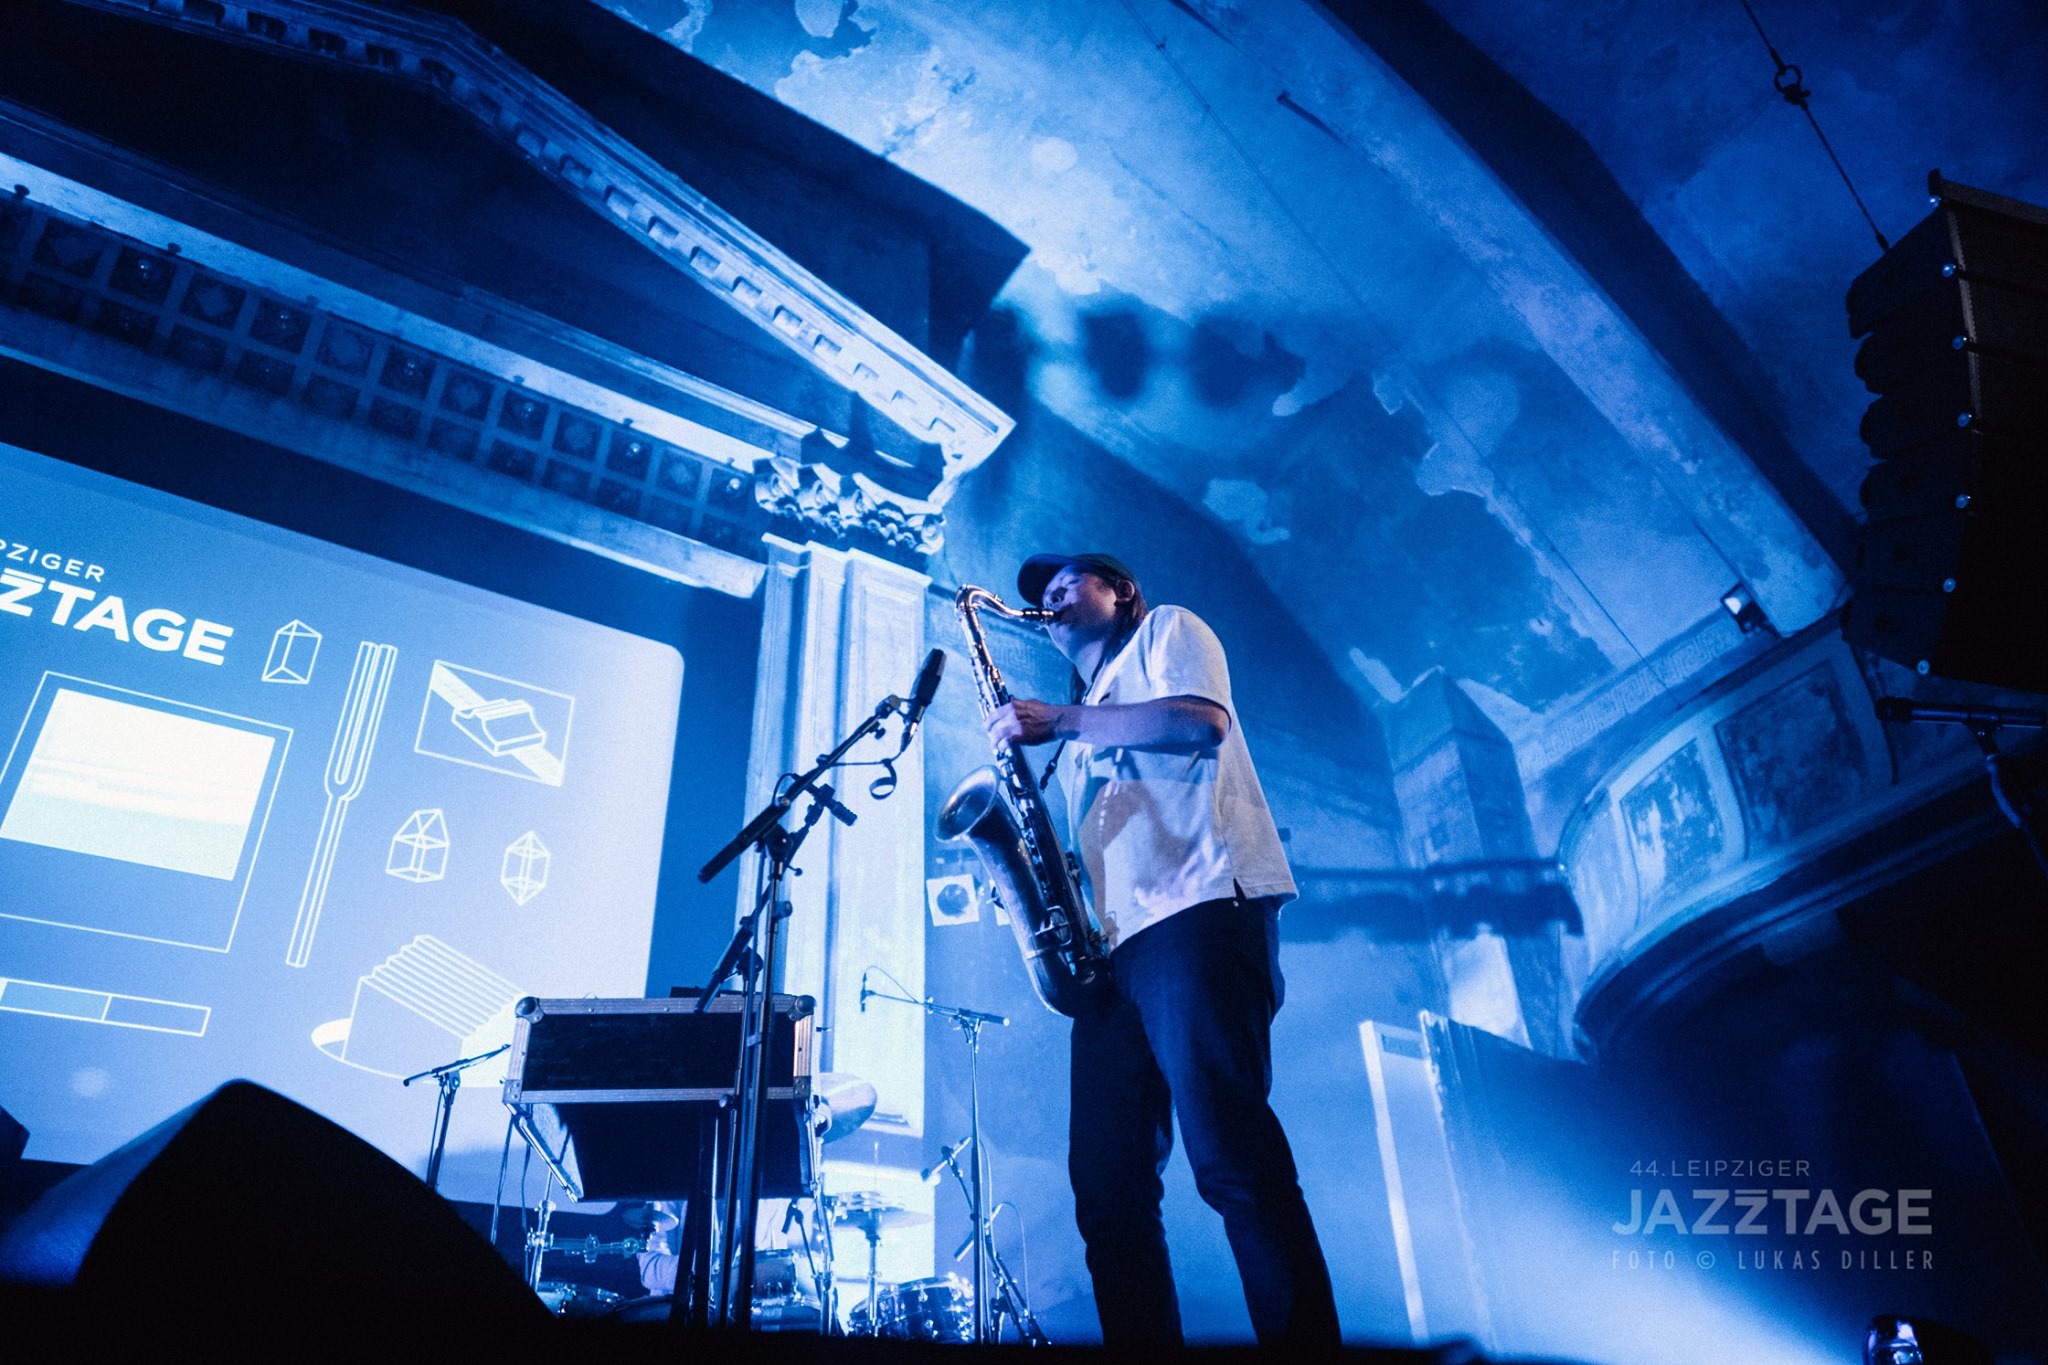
(785, 1294)
(569, 1300)
(940, 1309)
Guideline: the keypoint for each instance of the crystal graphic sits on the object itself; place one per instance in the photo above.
(525, 872)
(292, 653)
(419, 851)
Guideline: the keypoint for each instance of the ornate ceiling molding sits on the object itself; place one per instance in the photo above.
(188, 330)
(614, 178)
(102, 290)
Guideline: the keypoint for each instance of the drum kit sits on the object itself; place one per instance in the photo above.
(787, 1298)
(792, 1286)
(939, 1309)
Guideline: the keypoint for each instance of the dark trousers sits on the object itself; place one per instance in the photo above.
(1187, 1030)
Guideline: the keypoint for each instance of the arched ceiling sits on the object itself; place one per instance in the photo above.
(1271, 274)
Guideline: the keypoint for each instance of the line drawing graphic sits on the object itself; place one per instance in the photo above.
(103, 1007)
(293, 651)
(425, 1004)
(348, 764)
(155, 786)
(419, 851)
(499, 724)
(524, 873)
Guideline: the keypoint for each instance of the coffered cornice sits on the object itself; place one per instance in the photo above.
(615, 179)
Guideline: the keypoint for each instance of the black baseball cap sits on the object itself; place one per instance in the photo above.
(1039, 570)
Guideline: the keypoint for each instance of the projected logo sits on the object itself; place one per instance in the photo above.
(163, 796)
(208, 735)
(500, 724)
(424, 1005)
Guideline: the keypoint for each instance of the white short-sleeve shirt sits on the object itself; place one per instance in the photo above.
(1157, 832)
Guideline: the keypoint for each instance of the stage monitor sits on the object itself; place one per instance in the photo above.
(278, 810)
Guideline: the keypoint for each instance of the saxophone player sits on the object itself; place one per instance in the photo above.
(1186, 874)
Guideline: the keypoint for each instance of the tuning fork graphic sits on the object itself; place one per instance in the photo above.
(348, 764)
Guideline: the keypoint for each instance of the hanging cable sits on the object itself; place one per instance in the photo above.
(1790, 83)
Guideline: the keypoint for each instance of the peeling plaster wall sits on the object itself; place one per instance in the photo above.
(1270, 278)
(1676, 101)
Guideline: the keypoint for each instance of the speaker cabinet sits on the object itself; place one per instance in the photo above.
(1952, 562)
(250, 1213)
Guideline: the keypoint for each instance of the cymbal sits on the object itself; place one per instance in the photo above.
(844, 1102)
(654, 1216)
(873, 1212)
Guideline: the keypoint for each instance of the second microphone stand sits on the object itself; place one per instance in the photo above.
(449, 1075)
(970, 1023)
(1010, 1300)
(1984, 723)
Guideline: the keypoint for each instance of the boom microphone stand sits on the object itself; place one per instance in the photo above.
(1984, 723)
(735, 1264)
(1010, 1300)
(450, 1076)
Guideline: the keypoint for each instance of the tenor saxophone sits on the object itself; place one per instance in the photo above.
(1001, 812)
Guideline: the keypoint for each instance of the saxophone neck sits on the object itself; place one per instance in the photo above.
(971, 599)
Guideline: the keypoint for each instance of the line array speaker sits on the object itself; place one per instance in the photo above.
(1952, 563)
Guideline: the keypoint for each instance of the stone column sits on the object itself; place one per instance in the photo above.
(840, 630)
(1462, 802)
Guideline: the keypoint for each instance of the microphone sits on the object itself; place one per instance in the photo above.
(930, 1175)
(864, 991)
(927, 688)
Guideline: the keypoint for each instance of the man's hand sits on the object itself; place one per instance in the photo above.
(1025, 721)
